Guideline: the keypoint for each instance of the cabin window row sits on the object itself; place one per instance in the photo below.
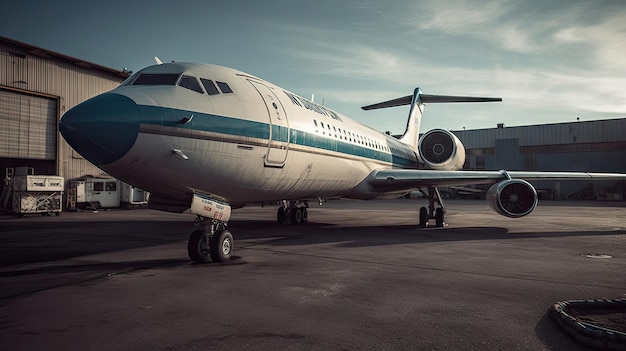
(346, 135)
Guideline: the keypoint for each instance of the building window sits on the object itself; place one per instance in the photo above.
(110, 186)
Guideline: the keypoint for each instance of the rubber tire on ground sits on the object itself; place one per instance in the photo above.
(221, 245)
(305, 215)
(296, 216)
(439, 217)
(198, 246)
(423, 217)
(280, 215)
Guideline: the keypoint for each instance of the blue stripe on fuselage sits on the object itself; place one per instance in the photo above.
(169, 117)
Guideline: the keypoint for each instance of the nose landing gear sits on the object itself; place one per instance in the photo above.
(214, 242)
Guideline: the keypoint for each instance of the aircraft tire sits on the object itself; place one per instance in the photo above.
(221, 246)
(305, 215)
(198, 246)
(423, 217)
(439, 217)
(282, 215)
(296, 216)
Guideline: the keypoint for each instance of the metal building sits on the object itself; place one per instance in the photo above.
(589, 146)
(36, 87)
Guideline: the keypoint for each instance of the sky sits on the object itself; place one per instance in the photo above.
(550, 61)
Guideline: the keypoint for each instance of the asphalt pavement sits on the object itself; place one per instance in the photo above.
(358, 276)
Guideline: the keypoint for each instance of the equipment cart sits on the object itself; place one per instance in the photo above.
(37, 194)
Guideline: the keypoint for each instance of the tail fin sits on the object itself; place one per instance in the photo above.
(417, 101)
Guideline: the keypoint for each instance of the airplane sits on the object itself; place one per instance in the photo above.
(211, 139)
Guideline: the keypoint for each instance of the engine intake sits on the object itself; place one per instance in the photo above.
(512, 198)
(441, 150)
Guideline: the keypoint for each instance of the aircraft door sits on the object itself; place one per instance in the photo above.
(278, 144)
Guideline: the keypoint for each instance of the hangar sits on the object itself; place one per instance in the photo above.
(580, 146)
(38, 85)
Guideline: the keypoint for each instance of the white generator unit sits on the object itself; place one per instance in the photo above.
(133, 196)
(37, 194)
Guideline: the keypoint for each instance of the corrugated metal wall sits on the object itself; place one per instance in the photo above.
(548, 134)
(590, 146)
(28, 126)
(41, 74)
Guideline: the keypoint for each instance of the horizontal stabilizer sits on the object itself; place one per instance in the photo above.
(391, 103)
(444, 98)
(427, 98)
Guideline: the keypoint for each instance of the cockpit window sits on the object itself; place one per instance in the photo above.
(209, 86)
(224, 87)
(190, 83)
(156, 79)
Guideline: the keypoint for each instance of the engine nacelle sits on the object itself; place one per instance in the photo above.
(512, 198)
(441, 150)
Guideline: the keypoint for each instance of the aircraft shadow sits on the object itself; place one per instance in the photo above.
(51, 239)
(365, 236)
(25, 242)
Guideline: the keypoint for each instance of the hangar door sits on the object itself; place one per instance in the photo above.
(28, 126)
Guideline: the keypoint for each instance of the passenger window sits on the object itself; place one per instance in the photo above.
(190, 83)
(209, 86)
(224, 87)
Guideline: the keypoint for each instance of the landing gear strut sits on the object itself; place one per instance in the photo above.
(431, 212)
(293, 212)
(214, 242)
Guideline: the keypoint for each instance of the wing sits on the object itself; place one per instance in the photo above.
(406, 179)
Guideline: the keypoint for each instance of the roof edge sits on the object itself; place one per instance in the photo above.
(45, 53)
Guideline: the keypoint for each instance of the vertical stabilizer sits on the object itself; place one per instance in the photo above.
(412, 133)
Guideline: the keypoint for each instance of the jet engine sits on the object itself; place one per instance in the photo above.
(441, 150)
(512, 198)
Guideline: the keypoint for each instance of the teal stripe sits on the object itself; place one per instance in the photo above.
(251, 129)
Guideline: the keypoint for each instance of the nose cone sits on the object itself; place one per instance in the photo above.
(102, 129)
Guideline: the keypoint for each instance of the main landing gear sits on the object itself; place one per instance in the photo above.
(293, 212)
(214, 242)
(431, 212)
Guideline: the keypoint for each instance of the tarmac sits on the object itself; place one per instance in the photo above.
(358, 276)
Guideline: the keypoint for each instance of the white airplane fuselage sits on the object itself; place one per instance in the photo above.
(259, 143)
(207, 137)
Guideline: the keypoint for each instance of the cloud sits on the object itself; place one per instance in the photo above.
(549, 62)
(603, 40)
